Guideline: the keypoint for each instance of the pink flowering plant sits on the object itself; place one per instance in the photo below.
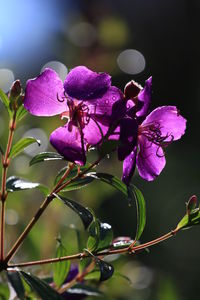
(96, 116)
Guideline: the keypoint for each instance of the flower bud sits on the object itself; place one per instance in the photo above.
(131, 90)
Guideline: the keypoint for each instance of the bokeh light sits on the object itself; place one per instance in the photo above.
(82, 34)
(131, 61)
(57, 66)
(39, 134)
(113, 32)
(6, 79)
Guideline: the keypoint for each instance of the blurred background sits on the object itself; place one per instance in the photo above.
(130, 39)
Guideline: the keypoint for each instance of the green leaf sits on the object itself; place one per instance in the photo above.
(22, 144)
(82, 289)
(94, 233)
(4, 291)
(78, 183)
(126, 278)
(61, 269)
(106, 269)
(14, 183)
(111, 180)
(105, 236)
(21, 113)
(41, 287)
(94, 275)
(5, 100)
(85, 215)
(16, 282)
(190, 220)
(101, 236)
(141, 211)
(45, 156)
(73, 172)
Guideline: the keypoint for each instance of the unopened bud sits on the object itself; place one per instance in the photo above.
(191, 204)
(131, 90)
(16, 89)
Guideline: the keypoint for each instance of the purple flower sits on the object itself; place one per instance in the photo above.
(86, 99)
(143, 137)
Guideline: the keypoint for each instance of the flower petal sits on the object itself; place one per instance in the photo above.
(111, 105)
(145, 97)
(42, 94)
(94, 131)
(128, 137)
(171, 124)
(129, 166)
(69, 144)
(84, 84)
(150, 159)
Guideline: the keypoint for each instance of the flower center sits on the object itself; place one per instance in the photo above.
(153, 132)
(77, 113)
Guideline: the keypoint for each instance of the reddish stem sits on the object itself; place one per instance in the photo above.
(5, 164)
(100, 254)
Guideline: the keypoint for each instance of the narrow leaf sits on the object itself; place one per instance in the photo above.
(94, 233)
(16, 282)
(78, 183)
(21, 112)
(111, 180)
(101, 236)
(85, 215)
(105, 236)
(82, 289)
(106, 269)
(190, 220)
(4, 291)
(61, 269)
(14, 183)
(4, 98)
(22, 144)
(45, 156)
(41, 287)
(141, 211)
(73, 172)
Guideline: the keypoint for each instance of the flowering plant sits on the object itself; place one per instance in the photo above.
(101, 116)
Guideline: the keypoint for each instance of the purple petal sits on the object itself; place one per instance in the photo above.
(111, 105)
(128, 137)
(84, 84)
(129, 166)
(42, 94)
(145, 98)
(94, 131)
(171, 124)
(150, 159)
(69, 144)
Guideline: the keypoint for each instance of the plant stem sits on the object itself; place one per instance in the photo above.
(44, 205)
(100, 254)
(5, 164)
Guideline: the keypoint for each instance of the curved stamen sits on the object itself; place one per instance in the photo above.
(62, 98)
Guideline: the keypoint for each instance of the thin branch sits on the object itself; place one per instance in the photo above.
(100, 254)
(44, 205)
(5, 164)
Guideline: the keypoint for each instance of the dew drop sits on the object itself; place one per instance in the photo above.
(108, 156)
(106, 102)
